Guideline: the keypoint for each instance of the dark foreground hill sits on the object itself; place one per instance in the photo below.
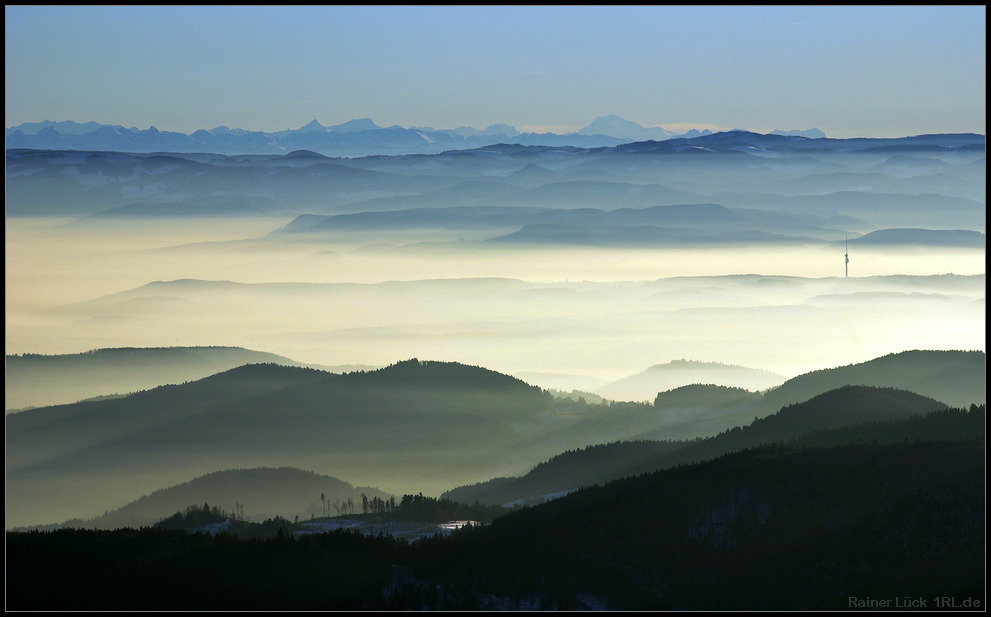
(771, 528)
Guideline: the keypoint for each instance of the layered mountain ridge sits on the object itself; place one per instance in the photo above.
(358, 137)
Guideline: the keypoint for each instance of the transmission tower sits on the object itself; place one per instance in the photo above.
(846, 257)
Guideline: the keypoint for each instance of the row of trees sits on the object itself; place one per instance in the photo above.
(342, 507)
(377, 505)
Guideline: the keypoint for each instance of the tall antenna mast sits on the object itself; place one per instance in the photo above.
(846, 257)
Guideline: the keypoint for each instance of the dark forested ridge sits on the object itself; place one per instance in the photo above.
(771, 528)
(820, 524)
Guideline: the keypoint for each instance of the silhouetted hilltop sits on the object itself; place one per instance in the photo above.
(434, 374)
(703, 395)
(256, 378)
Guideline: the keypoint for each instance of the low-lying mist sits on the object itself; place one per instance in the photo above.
(369, 298)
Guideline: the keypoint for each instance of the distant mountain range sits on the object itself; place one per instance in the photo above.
(754, 189)
(359, 137)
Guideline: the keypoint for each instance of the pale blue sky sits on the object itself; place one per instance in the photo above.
(851, 71)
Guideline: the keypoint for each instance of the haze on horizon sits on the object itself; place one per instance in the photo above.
(880, 71)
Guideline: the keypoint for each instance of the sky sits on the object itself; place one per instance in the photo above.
(879, 71)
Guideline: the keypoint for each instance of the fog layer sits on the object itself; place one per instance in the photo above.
(604, 313)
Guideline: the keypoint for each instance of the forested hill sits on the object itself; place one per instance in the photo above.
(703, 395)
(957, 378)
(432, 374)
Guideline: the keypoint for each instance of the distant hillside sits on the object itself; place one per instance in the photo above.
(847, 406)
(34, 380)
(957, 378)
(933, 237)
(262, 493)
(677, 373)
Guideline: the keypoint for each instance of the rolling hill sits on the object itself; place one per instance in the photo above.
(34, 380)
